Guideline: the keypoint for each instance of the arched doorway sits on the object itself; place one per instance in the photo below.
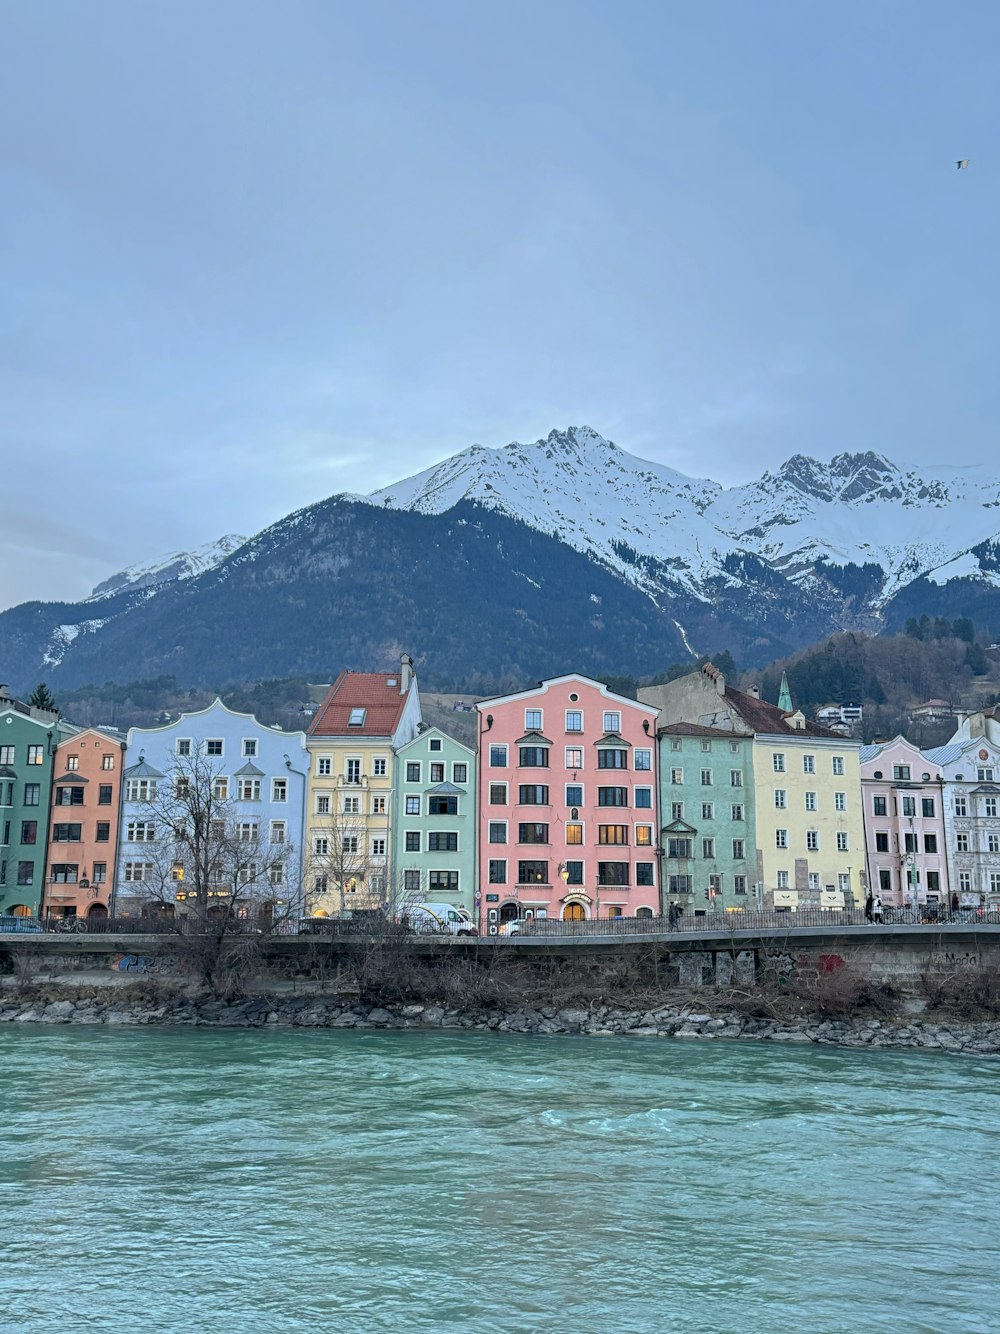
(643, 912)
(265, 915)
(509, 911)
(574, 912)
(97, 910)
(19, 910)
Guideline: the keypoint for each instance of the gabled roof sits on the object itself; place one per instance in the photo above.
(371, 691)
(437, 731)
(533, 739)
(696, 729)
(543, 687)
(105, 733)
(760, 716)
(445, 790)
(249, 771)
(142, 770)
(73, 778)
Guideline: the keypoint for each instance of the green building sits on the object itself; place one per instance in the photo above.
(28, 740)
(708, 833)
(434, 821)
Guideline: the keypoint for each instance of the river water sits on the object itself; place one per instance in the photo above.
(212, 1180)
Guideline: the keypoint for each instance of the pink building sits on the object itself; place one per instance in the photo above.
(902, 800)
(568, 806)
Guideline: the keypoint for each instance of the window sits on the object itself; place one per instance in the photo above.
(737, 812)
(437, 772)
(706, 745)
(708, 849)
(460, 772)
(812, 840)
(714, 886)
(107, 761)
(61, 833)
(677, 810)
(322, 805)
(103, 831)
(680, 884)
(881, 840)
(574, 757)
(739, 884)
(182, 787)
(965, 881)
(71, 796)
(842, 842)
(498, 871)
(574, 834)
(909, 806)
(780, 798)
(220, 789)
(498, 794)
(611, 758)
(612, 796)
(498, 757)
(412, 806)
(379, 767)
(840, 801)
(104, 794)
(356, 718)
(677, 777)
(984, 775)
(35, 754)
(434, 743)
(498, 831)
(353, 771)
(644, 760)
(533, 757)
(136, 871)
(413, 840)
(844, 882)
(100, 873)
(413, 771)
(927, 807)
(990, 806)
(321, 846)
(246, 831)
(248, 789)
(249, 748)
(279, 789)
(378, 805)
(811, 801)
(778, 762)
(808, 764)
(438, 805)
(930, 843)
(324, 766)
(213, 747)
(781, 838)
(644, 873)
(442, 882)
(278, 829)
(878, 806)
(532, 873)
(29, 832)
(183, 746)
(735, 777)
(782, 880)
(378, 847)
(6, 754)
(532, 720)
(532, 833)
(707, 810)
(32, 792)
(706, 778)
(680, 848)
(613, 873)
(993, 842)
(675, 743)
(612, 833)
(533, 794)
(574, 720)
(739, 850)
(962, 842)
(961, 806)
(25, 873)
(65, 873)
(994, 882)
(612, 721)
(574, 873)
(349, 843)
(643, 797)
(838, 766)
(140, 831)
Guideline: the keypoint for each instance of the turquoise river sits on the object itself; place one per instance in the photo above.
(211, 1180)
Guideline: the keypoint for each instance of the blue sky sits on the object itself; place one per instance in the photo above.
(253, 254)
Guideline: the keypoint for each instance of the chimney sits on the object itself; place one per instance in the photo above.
(753, 692)
(405, 672)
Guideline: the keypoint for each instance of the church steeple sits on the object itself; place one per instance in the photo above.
(785, 695)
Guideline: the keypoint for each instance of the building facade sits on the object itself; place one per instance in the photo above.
(435, 821)
(708, 837)
(568, 804)
(904, 815)
(84, 824)
(352, 741)
(970, 771)
(257, 776)
(28, 741)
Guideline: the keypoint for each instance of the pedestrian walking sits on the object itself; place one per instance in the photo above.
(877, 909)
(675, 915)
(868, 905)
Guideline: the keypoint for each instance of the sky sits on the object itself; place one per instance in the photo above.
(254, 254)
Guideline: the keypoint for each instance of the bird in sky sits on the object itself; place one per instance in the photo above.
(962, 163)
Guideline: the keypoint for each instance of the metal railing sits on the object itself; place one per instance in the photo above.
(763, 920)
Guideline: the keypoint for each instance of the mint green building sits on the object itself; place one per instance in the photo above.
(434, 822)
(28, 740)
(708, 829)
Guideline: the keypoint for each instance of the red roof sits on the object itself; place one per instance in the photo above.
(375, 692)
(696, 729)
(763, 717)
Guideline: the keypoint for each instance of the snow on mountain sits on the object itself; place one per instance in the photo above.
(659, 528)
(179, 565)
(63, 636)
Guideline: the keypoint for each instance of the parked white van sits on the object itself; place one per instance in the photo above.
(432, 917)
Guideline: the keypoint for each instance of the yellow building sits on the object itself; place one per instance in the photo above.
(352, 743)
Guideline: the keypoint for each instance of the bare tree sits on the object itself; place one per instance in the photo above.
(208, 869)
(344, 876)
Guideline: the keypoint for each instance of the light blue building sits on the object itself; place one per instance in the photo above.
(258, 778)
(435, 821)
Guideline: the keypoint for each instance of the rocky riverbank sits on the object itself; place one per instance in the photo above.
(682, 1021)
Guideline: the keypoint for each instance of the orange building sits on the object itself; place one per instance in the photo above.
(83, 824)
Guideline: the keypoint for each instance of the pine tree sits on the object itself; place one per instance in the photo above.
(42, 698)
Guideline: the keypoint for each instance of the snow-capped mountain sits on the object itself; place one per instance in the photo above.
(178, 565)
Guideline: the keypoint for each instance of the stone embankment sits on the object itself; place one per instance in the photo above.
(671, 1021)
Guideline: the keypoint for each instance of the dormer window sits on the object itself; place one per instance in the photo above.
(357, 718)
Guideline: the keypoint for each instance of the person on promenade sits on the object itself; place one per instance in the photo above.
(674, 913)
(877, 909)
(869, 901)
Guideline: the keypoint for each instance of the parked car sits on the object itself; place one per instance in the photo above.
(438, 917)
(24, 925)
